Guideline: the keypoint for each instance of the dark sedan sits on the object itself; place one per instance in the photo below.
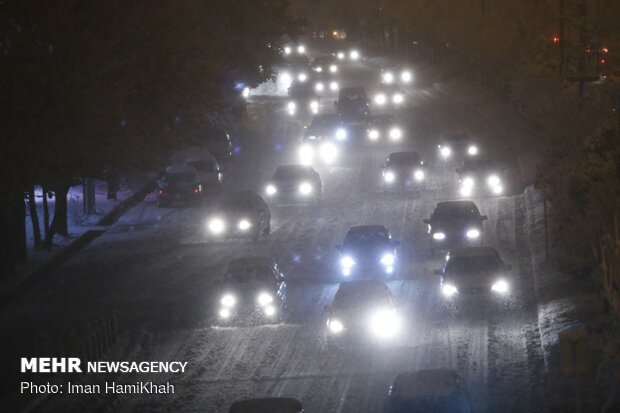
(294, 183)
(455, 223)
(366, 250)
(238, 215)
(404, 170)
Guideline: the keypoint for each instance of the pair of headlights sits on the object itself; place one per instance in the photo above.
(319, 86)
(382, 99)
(291, 107)
(446, 151)
(217, 226)
(390, 176)
(499, 287)
(387, 260)
(493, 182)
(305, 188)
(383, 323)
(471, 234)
(327, 152)
(229, 301)
(394, 134)
(405, 76)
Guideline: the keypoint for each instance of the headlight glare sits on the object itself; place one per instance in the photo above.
(228, 300)
(335, 326)
(341, 134)
(389, 177)
(388, 77)
(493, 180)
(244, 225)
(373, 134)
(473, 233)
(418, 175)
(333, 86)
(449, 290)
(347, 261)
(472, 150)
(271, 190)
(264, 299)
(396, 133)
(384, 323)
(387, 259)
(216, 226)
(398, 98)
(445, 151)
(439, 236)
(406, 76)
(333, 68)
(501, 287)
(380, 99)
(305, 188)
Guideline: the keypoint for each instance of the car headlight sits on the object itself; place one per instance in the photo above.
(341, 134)
(500, 286)
(318, 69)
(306, 154)
(333, 86)
(468, 182)
(396, 133)
(384, 323)
(333, 68)
(449, 290)
(497, 189)
(216, 226)
(285, 77)
(493, 180)
(473, 233)
(224, 313)
(287, 50)
(246, 92)
(472, 150)
(387, 259)
(380, 99)
(347, 261)
(314, 106)
(445, 151)
(269, 310)
(335, 326)
(389, 177)
(354, 55)
(271, 190)
(340, 56)
(244, 225)
(388, 77)
(439, 236)
(319, 87)
(264, 299)
(291, 107)
(302, 77)
(373, 134)
(305, 188)
(418, 175)
(398, 98)
(301, 49)
(328, 152)
(228, 300)
(466, 191)
(406, 76)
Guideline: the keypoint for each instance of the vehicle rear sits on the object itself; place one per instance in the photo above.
(179, 186)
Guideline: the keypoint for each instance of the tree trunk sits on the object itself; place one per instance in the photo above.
(34, 217)
(59, 222)
(46, 214)
(13, 233)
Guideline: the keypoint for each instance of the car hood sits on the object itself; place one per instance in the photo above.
(453, 225)
(367, 252)
(473, 280)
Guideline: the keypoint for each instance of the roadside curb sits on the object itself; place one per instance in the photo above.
(76, 245)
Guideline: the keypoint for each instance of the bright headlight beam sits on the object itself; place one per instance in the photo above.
(319, 87)
(493, 180)
(388, 77)
(354, 55)
(373, 134)
(328, 152)
(418, 175)
(472, 150)
(396, 133)
(384, 323)
(224, 313)
(468, 182)
(341, 134)
(398, 98)
(244, 225)
(314, 106)
(269, 310)
(333, 86)
(472, 233)
(228, 300)
(347, 261)
(406, 76)
(306, 154)
(439, 236)
(302, 77)
(301, 49)
(500, 286)
(264, 299)
(271, 190)
(380, 99)
(333, 68)
(216, 226)
(335, 326)
(449, 290)
(387, 259)
(305, 188)
(389, 177)
(445, 151)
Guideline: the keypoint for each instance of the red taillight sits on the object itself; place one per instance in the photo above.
(160, 191)
(197, 190)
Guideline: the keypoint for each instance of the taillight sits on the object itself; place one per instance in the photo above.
(197, 190)
(160, 191)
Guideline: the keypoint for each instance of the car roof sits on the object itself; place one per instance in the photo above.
(460, 204)
(479, 163)
(473, 252)
(455, 136)
(253, 261)
(238, 196)
(404, 155)
(424, 383)
(180, 169)
(267, 405)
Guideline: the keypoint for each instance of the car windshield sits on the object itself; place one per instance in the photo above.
(467, 265)
(455, 212)
(323, 121)
(290, 173)
(301, 91)
(249, 273)
(383, 120)
(360, 297)
(182, 177)
(203, 165)
(479, 165)
(404, 158)
(366, 237)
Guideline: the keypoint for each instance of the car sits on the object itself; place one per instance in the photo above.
(353, 106)
(367, 250)
(180, 185)
(474, 270)
(325, 126)
(219, 144)
(253, 291)
(325, 82)
(389, 95)
(363, 311)
(209, 171)
(480, 177)
(324, 64)
(428, 391)
(384, 128)
(318, 148)
(454, 223)
(397, 75)
(296, 183)
(457, 146)
(404, 170)
(237, 214)
(302, 100)
(267, 405)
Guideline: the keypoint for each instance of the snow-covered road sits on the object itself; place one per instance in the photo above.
(154, 268)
